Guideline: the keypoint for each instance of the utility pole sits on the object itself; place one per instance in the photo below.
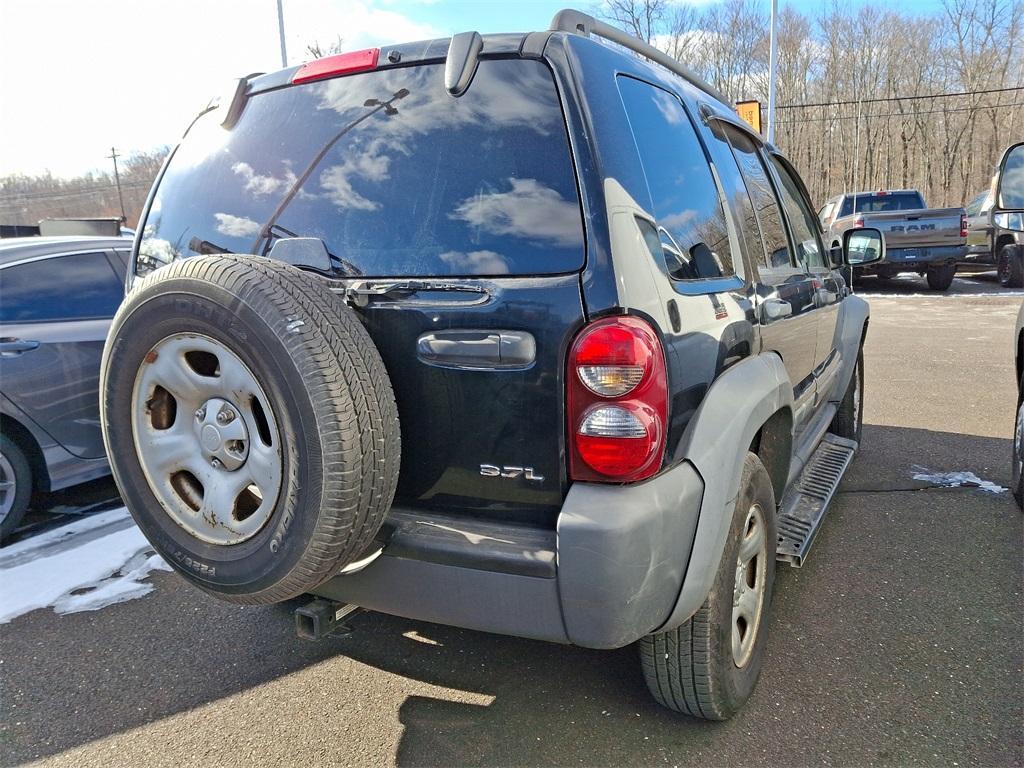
(773, 56)
(280, 32)
(117, 180)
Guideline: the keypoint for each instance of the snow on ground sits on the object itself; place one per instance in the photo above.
(83, 566)
(957, 480)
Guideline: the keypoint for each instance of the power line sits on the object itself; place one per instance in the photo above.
(11, 198)
(899, 98)
(899, 114)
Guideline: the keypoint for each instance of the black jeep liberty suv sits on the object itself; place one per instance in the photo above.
(524, 333)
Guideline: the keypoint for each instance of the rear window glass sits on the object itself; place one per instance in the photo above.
(411, 182)
(899, 201)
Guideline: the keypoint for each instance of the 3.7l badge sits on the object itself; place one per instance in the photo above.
(492, 470)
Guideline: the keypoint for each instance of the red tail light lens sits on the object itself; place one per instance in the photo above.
(342, 64)
(617, 401)
(963, 225)
(859, 221)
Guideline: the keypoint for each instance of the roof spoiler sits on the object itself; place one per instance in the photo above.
(461, 63)
(580, 23)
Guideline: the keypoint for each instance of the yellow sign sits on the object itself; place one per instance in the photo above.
(750, 111)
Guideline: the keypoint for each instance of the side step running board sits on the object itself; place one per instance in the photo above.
(805, 504)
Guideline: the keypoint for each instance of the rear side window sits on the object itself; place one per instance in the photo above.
(874, 203)
(411, 182)
(687, 206)
(79, 286)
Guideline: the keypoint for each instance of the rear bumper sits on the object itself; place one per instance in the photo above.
(912, 258)
(609, 573)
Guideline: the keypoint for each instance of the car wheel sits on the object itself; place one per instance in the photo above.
(1017, 479)
(940, 278)
(849, 419)
(708, 666)
(15, 485)
(250, 425)
(1011, 270)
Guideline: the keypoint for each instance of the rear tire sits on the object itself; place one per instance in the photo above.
(250, 425)
(15, 486)
(1011, 268)
(701, 668)
(849, 419)
(940, 278)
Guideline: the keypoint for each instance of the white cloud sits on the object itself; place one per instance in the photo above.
(261, 185)
(476, 262)
(369, 164)
(529, 210)
(124, 73)
(236, 226)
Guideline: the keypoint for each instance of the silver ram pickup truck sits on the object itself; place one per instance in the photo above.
(919, 239)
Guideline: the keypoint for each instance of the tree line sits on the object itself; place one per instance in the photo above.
(870, 97)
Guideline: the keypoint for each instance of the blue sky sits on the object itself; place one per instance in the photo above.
(132, 73)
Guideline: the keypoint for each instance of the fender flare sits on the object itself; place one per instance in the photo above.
(851, 329)
(716, 442)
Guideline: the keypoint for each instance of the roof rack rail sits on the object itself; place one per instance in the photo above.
(582, 24)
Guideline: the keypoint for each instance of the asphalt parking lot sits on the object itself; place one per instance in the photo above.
(899, 643)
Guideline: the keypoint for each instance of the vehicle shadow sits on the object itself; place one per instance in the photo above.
(477, 699)
(910, 283)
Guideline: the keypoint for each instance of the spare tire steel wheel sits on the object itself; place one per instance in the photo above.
(250, 425)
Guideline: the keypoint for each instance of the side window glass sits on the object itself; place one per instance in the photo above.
(809, 250)
(766, 205)
(692, 226)
(80, 286)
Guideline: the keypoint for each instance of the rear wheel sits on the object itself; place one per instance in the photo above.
(15, 485)
(250, 425)
(1010, 266)
(708, 666)
(940, 278)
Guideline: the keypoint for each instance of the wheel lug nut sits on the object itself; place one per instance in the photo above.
(226, 416)
(201, 414)
(216, 462)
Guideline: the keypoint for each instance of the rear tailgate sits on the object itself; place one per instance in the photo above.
(925, 228)
(458, 219)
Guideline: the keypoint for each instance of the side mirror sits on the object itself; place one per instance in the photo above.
(863, 246)
(1008, 211)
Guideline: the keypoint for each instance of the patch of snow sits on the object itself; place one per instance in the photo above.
(957, 480)
(86, 565)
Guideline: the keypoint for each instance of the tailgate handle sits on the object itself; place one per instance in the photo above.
(477, 350)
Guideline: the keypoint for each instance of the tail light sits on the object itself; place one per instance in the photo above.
(617, 401)
(963, 225)
(858, 222)
(341, 64)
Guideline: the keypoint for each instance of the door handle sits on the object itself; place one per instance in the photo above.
(775, 309)
(10, 347)
(825, 296)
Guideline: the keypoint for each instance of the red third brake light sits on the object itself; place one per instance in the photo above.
(342, 64)
(617, 401)
(963, 225)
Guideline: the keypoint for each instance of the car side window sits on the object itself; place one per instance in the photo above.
(692, 224)
(802, 223)
(78, 286)
(766, 205)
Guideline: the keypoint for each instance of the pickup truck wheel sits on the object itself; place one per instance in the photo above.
(708, 666)
(250, 424)
(849, 419)
(940, 278)
(1011, 267)
(15, 485)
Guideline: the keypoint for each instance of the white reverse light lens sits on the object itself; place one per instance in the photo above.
(611, 380)
(612, 421)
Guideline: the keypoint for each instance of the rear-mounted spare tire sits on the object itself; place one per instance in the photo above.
(250, 425)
